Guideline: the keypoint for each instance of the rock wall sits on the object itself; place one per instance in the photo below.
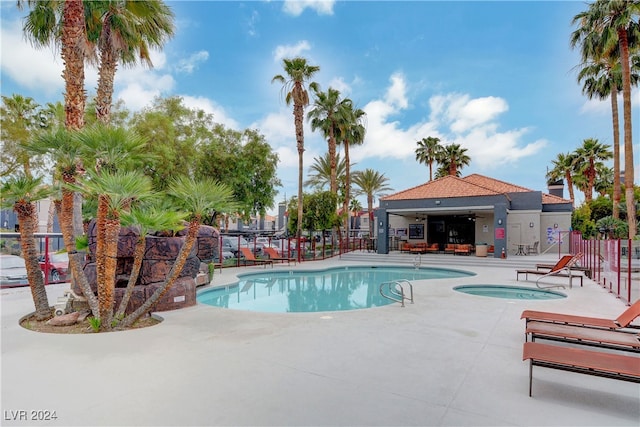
(159, 257)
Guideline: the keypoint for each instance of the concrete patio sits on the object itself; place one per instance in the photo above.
(450, 359)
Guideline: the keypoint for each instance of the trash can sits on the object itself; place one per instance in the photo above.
(481, 249)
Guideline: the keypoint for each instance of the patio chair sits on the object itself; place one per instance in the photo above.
(533, 249)
(450, 248)
(622, 321)
(462, 249)
(275, 256)
(248, 256)
(561, 269)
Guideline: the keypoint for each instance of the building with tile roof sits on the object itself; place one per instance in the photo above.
(474, 210)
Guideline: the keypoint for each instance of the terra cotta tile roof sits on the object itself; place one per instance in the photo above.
(470, 186)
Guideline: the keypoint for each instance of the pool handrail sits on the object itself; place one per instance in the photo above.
(396, 291)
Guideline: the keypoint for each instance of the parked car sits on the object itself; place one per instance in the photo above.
(13, 272)
(58, 268)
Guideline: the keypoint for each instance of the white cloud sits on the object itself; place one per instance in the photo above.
(296, 7)
(289, 51)
(341, 86)
(187, 65)
(210, 107)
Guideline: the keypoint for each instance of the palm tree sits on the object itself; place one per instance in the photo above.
(198, 199)
(616, 23)
(298, 72)
(373, 184)
(144, 221)
(429, 151)
(116, 192)
(21, 194)
(65, 153)
(591, 151)
(453, 158)
(320, 172)
(351, 131)
(563, 167)
(127, 30)
(604, 181)
(325, 116)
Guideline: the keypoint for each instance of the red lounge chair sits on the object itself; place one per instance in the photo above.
(275, 256)
(248, 256)
(622, 321)
(605, 338)
(601, 364)
(561, 269)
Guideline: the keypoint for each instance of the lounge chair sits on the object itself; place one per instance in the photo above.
(575, 267)
(622, 321)
(605, 338)
(275, 256)
(462, 249)
(406, 247)
(433, 248)
(420, 248)
(248, 256)
(560, 269)
(450, 248)
(598, 363)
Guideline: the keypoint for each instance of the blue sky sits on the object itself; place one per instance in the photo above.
(498, 78)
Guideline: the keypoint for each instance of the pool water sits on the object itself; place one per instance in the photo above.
(509, 292)
(335, 289)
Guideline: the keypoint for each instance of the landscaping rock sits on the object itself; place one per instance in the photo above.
(65, 319)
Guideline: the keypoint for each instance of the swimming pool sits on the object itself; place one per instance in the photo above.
(333, 289)
(509, 292)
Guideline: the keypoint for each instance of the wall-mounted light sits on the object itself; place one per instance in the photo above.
(417, 219)
(499, 222)
(437, 202)
(531, 224)
(380, 223)
(555, 225)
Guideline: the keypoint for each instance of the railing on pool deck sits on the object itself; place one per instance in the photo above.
(613, 263)
(396, 291)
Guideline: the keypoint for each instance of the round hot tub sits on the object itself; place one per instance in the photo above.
(509, 292)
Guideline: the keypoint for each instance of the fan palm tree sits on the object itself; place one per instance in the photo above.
(298, 73)
(320, 172)
(373, 184)
(592, 151)
(325, 116)
(453, 158)
(116, 192)
(127, 30)
(198, 199)
(145, 220)
(617, 24)
(65, 153)
(428, 152)
(563, 167)
(21, 194)
(351, 131)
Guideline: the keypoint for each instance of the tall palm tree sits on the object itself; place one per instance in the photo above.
(351, 131)
(616, 21)
(21, 194)
(320, 172)
(198, 199)
(592, 151)
(563, 167)
(453, 158)
(127, 30)
(429, 151)
(298, 73)
(325, 116)
(373, 184)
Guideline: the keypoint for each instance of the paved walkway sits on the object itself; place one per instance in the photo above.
(450, 359)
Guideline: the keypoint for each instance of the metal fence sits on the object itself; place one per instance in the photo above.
(613, 263)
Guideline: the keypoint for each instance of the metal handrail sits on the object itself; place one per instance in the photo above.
(396, 291)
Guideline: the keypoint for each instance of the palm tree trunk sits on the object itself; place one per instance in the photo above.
(628, 142)
(567, 176)
(133, 276)
(27, 215)
(370, 213)
(106, 73)
(298, 113)
(75, 258)
(190, 239)
(106, 288)
(347, 187)
(73, 36)
(616, 154)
